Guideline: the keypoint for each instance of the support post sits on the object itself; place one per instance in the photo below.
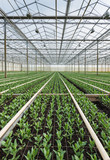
(105, 64)
(27, 55)
(97, 58)
(43, 64)
(78, 63)
(36, 62)
(21, 67)
(5, 48)
(2, 62)
(85, 62)
(71, 66)
(13, 62)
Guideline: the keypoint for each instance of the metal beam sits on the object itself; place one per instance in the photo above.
(5, 48)
(27, 55)
(37, 22)
(9, 39)
(64, 26)
(97, 58)
(19, 31)
(58, 17)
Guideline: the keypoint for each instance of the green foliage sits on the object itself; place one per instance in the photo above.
(31, 154)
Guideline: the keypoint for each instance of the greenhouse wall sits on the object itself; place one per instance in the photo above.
(19, 67)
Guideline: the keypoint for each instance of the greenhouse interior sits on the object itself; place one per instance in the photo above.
(54, 80)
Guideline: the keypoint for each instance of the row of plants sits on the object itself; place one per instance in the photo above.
(50, 129)
(8, 111)
(9, 86)
(94, 79)
(102, 86)
(101, 77)
(55, 86)
(19, 75)
(13, 79)
(15, 74)
(98, 120)
(6, 99)
(89, 89)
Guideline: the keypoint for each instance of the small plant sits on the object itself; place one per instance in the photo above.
(38, 139)
(59, 153)
(81, 157)
(82, 133)
(93, 157)
(31, 154)
(37, 126)
(49, 125)
(11, 148)
(78, 147)
(91, 145)
(46, 146)
(59, 135)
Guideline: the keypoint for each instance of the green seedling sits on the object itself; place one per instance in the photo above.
(81, 157)
(82, 133)
(32, 154)
(78, 147)
(59, 153)
(59, 135)
(46, 146)
(91, 145)
(38, 139)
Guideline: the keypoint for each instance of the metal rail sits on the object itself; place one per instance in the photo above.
(11, 79)
(98, 79)
(93, 86)
(11, 124)
(20, 85)
(94, 81)
(99, 145)
(16, 81)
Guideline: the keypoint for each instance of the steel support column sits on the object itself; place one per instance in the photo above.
(97, 59)
(2, 62)
(85, 63)
(105, 64)
(21, 67)
(78, 64)
(36, 62)
(13, 63)
(43, 64)
(5, 48)
(27, 55)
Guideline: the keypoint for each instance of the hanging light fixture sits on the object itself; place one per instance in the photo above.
(92, 30)
(106, 15)
(36, 30)
(28, 15)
